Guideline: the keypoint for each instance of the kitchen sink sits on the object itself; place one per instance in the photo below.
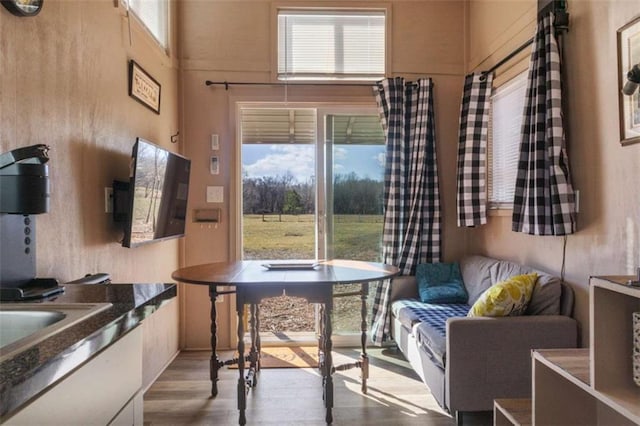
(23, 325)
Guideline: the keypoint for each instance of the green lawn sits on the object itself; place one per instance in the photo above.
(293, 237)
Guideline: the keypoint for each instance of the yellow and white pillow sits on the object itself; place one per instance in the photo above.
(506, 298)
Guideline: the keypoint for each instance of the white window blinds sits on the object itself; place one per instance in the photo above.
(507, 105)
(328, 45)
(154, 15)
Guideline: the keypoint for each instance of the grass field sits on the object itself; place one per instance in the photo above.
(293, 237)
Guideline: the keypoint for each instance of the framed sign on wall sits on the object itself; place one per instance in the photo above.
(144, 88)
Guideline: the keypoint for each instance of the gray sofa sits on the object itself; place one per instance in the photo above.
(468, 362)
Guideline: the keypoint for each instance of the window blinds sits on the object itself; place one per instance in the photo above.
(331, 45)
(507, 105)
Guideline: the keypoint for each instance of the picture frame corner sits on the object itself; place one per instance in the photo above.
(628, 52)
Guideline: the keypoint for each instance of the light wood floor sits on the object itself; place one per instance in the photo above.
(291, 396)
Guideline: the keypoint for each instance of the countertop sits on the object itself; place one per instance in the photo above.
(41, 366)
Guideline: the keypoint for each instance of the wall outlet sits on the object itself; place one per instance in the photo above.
(215, 194)
(108, 200)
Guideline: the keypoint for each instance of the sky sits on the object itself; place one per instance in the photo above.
(276, 159)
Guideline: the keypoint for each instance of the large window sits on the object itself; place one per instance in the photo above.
(507, 104)
(154, 15)
(329, 45)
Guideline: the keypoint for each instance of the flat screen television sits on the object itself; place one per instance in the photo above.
(157, 195)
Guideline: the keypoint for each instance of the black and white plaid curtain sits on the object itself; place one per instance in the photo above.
(411, 232)
(472, 150)
(544, 201)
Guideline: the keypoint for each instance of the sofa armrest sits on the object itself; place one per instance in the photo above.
(490, 358)
(404, 287)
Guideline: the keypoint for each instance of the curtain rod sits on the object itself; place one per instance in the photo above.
(561, 24)
(226, 84)
(508, 57)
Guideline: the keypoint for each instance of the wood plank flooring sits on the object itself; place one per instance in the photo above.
(293, 396)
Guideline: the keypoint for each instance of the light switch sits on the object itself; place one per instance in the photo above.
(214, 165)
(215, 194)
(215, 143)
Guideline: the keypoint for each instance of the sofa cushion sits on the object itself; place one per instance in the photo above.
(476, 275)
(545, 299)
(428, 323)
(440, 283)
(410, 312)
(431, 332)
(506, 298)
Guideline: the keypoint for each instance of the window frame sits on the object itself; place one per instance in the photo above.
(337, 7)
(164, 46)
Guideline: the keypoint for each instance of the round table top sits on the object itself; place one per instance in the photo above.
(290, 272)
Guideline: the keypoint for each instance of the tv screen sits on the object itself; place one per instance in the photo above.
(158, 191)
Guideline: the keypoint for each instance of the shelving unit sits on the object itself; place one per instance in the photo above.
(587, 386)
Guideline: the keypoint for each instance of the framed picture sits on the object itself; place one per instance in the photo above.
(628, 56)
(143, 88)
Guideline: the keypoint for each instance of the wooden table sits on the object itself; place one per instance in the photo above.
(253, 282)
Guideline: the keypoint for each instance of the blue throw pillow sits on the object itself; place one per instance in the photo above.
(440, 283)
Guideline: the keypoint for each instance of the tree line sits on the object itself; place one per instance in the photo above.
(283, 194)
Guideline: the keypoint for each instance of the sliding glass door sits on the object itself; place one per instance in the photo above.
(354, 173)
(312, 181)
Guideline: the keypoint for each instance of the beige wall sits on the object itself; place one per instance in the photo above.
(607, 174)
(63, 82)
(233, 41)
(75, 100)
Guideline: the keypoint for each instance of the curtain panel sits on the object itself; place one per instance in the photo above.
(411, 230)
(472, 150)
(544, 201)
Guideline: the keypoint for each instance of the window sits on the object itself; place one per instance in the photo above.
(331, 45)
(154, 15)
(507, 104)
(312, 185)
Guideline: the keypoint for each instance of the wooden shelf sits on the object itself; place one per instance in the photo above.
(592, 386)
(512, 412)
(586, 386)
(612, 304)
(572, 364)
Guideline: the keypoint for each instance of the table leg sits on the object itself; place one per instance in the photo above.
(327, 369)
(363, 362)
(214, 363)
(258, 341)
(364, 359)
(321, 340)
(242, 388)
(254, 352)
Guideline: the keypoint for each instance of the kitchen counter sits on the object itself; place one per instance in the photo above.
(34, 370)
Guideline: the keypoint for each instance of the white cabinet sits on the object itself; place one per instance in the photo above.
(106, 390)
(586, 386)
